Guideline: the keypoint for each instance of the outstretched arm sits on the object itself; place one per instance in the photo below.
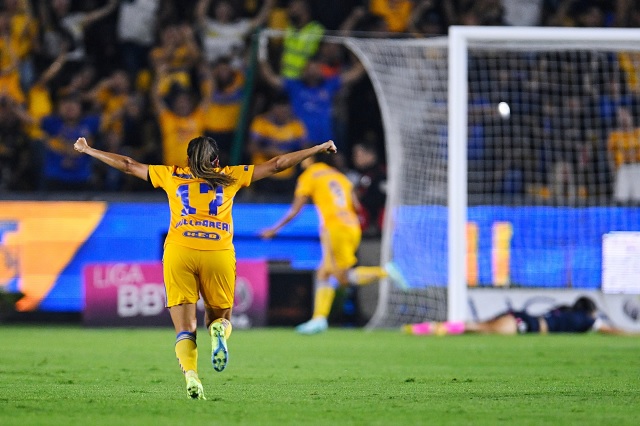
(263, 14)
(353, 74)
(98, 14)
(296, 206)
(123, 163)
(272, 79)
(201, 12)
(284, 161)
(156, 98)
(607, 329)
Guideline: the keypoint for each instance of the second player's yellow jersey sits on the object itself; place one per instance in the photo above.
(200, 216)
(331, 192)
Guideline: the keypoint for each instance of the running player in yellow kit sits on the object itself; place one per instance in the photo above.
(199, 257)
(340, 234)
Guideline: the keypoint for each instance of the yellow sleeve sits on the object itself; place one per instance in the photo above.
(159, 175)
(304, 187)
(243, 174)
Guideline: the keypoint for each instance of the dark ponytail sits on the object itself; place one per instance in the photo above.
(203, 154)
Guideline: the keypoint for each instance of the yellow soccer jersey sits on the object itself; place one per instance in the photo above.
(200, 217)
(331, 192)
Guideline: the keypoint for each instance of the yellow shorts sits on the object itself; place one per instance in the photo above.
(339, 246)
(189, 272)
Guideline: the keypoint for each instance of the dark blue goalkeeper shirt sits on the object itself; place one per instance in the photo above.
(565, 321)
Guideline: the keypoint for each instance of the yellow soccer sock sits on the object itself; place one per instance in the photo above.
(187, 351)
(363, 275)
(227, 326)
(323, 301)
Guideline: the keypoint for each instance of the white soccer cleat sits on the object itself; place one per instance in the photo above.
(313, 326)
(396, 275)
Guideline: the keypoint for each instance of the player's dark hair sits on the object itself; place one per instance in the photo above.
(203, 157)
(585, 304)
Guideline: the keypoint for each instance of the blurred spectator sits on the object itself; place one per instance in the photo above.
(301, 40)
(396, 13)
(624, 145)
(369, 180)
(331, 13)
(60, 23)
(591, 16)
(426, 20)
(224, 35)
(630, 65)
(119, 109)
(39, 101)
(227, 93)
(14, 146)
(627, 13)
(110, 96)
(509, 175)
(594, 168)
(569, 135)
(580, 13)
(489, 12)
(79, 82)
(558, 13)
(176, 54)
(136, 28)
(523, 12)
(273, 133)
(24, 32)
(331, 58)
(180, 120)
(9, 62)
(312, 95)
(64, 168)
(614, 97)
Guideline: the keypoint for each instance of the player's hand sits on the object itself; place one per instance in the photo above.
(81, 145)
(328, 147)
(267, 234)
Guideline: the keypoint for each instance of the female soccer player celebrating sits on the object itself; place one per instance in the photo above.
(340, 234)
(199, 257)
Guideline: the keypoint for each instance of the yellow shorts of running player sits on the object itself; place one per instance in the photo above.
(339, 246)
(189, 272)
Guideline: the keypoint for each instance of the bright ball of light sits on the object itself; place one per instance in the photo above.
(504, 110)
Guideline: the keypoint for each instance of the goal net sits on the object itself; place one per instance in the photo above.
(410, 80)
(511, 152)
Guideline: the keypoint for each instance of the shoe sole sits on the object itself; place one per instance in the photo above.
(219, 353)
(194, 390)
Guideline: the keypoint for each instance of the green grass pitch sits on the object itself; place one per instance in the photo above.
(77, 376)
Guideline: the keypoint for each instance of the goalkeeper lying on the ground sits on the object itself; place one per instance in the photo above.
(581, 317)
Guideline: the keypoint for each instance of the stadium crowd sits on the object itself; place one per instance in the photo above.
(143, 77)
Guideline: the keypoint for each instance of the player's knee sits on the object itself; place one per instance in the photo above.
(342, 277)
(212, 314)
